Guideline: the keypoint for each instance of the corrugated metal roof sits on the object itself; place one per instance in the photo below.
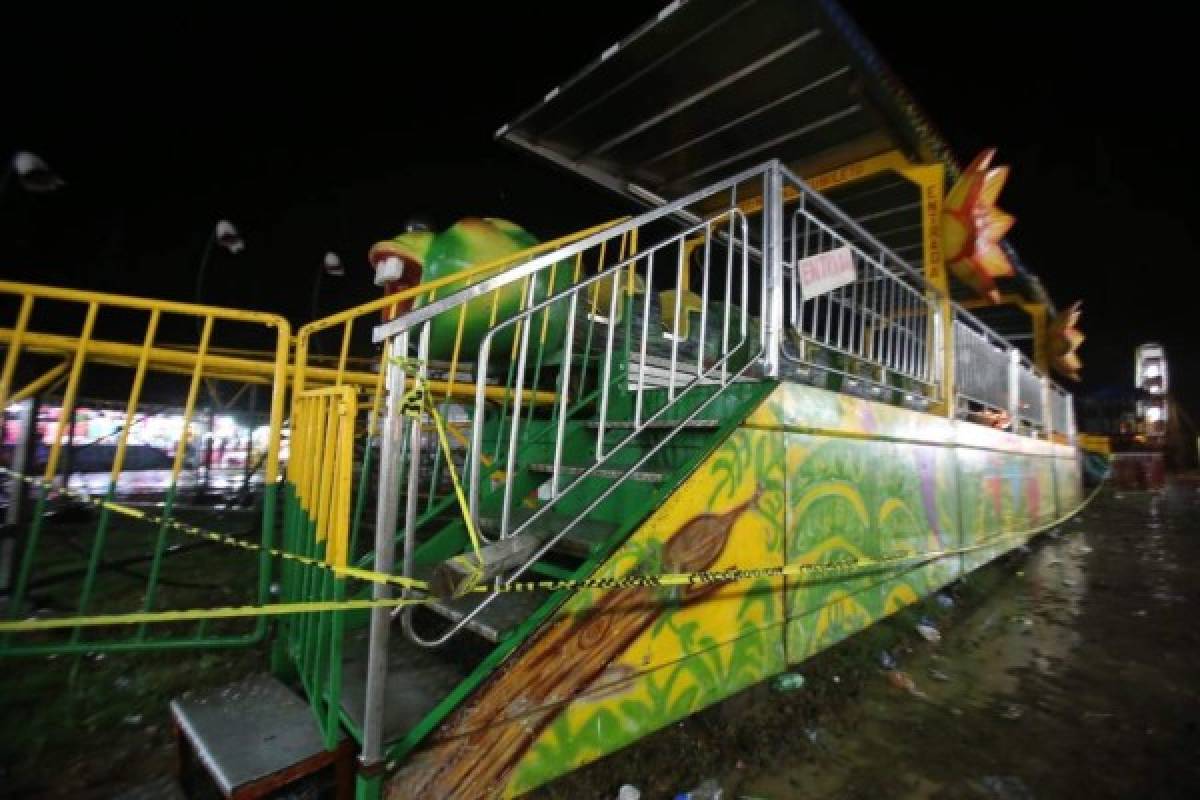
(709, 87)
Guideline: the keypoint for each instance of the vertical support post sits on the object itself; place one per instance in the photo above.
(1047, 409)
(772, 273)
(385, 552)
(68, 461)
(1072, 432)
(22, 459)
(1041, 342)
(931, 180)
(1014, 388)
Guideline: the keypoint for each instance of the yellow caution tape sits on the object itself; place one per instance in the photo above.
(226, 539)
(802, 572)
(415, 404)
(196, 614)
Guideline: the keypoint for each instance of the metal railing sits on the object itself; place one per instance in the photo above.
(1031, 408)
(1061, 412)
(981, 364)
(995, 383)
(606, 342)
(589, 325)
(880, 328)
(317, 525)
(61, 344)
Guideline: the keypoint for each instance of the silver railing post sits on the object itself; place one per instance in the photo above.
(1047, 408)
(21, 461)
(1072, 432)
(1014, 388)
(941, 352)
(385, 549)
(772, 273)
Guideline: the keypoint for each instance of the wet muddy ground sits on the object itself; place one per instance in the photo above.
(1070, 669)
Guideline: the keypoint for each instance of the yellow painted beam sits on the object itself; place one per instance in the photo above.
(231, 368)
(892, 160)
(43, 381)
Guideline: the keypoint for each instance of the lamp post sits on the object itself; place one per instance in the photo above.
(225, 236)
(331, 265)
(32, 173)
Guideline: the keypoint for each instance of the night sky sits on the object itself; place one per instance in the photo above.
(319, 130)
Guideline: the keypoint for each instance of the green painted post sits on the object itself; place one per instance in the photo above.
(156, 563)
(35, 533)
(368, 787)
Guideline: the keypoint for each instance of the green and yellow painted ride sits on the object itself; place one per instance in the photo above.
(572, 492)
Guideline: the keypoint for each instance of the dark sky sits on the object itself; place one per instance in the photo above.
(326, 129)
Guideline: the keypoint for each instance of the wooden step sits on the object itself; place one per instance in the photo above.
(587, 536)
(641, 475)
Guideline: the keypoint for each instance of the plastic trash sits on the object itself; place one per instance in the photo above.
(1012, 711)
(788, 682)
(708, 790)
(886, 660)
(629, 792)
(904, 682)
(944, 600)
(928, 632)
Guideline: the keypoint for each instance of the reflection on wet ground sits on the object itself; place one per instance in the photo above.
(1070, 669)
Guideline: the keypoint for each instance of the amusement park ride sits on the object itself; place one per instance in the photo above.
(571, 492)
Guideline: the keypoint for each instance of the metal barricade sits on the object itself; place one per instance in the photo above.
(126, 521)
(317, 526)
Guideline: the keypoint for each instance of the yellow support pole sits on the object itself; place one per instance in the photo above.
(43, 382)
(135, 395)
(931, 179)
(14, 348)
(68, 403)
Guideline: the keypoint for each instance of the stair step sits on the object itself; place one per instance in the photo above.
(248, 730)
(581, 541)
(497, 620)
(418, 679)
(642, 475)
(659, 424)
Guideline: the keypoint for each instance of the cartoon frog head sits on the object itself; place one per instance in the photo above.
(399, 263)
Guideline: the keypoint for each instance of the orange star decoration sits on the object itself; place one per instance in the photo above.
(972, 227)
(1065, 338)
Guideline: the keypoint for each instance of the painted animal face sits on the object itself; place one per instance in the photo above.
(399, 264)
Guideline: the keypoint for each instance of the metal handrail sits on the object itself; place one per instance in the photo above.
(730, 220)
(884, 321)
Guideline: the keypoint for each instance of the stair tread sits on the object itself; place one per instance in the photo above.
(499, 618)
(418, 679)
(642, 475)
(582, 540)
(247, 730)
(667, 424)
